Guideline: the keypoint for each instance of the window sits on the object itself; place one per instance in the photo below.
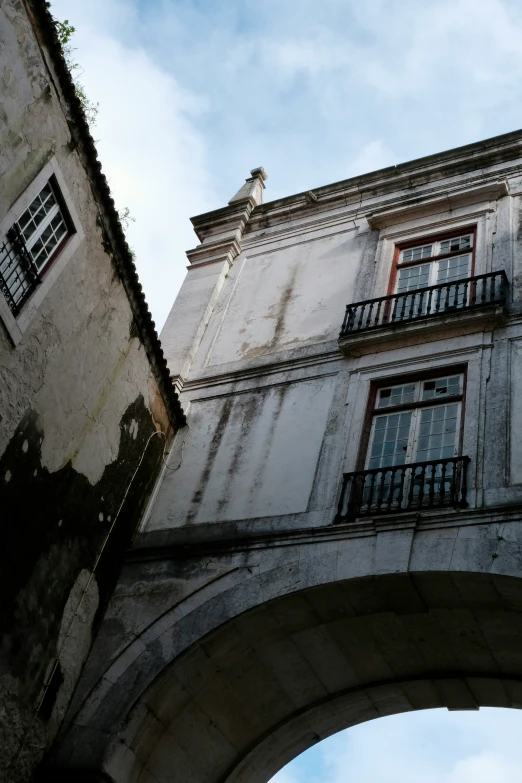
(423, 423)
(412, 458)
(429, 279)
(439, 263)
(32, 243)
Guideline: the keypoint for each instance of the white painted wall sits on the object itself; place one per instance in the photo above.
(276, 319)
(248, 455)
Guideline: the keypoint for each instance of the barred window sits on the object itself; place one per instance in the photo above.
(32, 244)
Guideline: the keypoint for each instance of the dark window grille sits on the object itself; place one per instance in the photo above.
(18, 273)
(441, 299)
(412, 487)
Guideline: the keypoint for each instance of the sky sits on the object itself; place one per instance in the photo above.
(193, 94)
(432, 746)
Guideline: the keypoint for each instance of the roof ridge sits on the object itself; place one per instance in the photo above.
(44, 26)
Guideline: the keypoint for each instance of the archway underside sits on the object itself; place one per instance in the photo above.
(265, 686)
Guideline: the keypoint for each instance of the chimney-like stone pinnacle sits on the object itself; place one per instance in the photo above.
(253, 188)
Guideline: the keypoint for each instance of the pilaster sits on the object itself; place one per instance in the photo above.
(220, 233)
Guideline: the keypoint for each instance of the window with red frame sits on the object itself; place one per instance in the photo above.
(438, 262)
(414, 423)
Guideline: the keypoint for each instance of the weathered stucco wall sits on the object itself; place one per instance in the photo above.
(80, 409)
(277, 298)
(249, 455)
(268, 327)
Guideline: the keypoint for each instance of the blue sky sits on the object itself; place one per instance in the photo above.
(435, 746)
(194, 93)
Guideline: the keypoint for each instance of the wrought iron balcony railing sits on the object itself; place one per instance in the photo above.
(442, 299)
(18, 273)
(399, 488)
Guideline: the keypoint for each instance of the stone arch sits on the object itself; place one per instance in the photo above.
(244, 674)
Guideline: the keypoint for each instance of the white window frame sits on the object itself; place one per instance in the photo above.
(414, 408)
(17, 325)
(432, 263)
(37, 232)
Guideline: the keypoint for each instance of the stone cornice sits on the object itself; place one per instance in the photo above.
(450, 199)
(410, 186)
(415, 173)
(261, 532)
(44, 27)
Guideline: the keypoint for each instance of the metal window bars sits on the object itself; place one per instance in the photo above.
(441, 299)
(18, 272)
(398, 488)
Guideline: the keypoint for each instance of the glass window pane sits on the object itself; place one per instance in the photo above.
(396, 395)
(456, 243)
(439, 432)
(416, 253)
(391, 450)
(48, 241)
(36, 212)
(42, 226)
(455, 268)
(379, 432)
(442, 387)
(451, 270)
(413, 277)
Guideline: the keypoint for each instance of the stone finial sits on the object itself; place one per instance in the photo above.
(253, 187)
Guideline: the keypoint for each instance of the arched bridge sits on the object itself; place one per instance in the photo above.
(223, 664)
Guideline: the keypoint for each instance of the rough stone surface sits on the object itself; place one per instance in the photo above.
(80, 413)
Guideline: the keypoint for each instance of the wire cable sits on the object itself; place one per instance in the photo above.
(158, 433)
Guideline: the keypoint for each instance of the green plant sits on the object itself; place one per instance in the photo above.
(126, 218)
(65, 32)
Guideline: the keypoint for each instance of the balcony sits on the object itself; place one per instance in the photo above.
(419, 486)
(463, 306)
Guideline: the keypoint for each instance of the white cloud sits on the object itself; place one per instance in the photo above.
(485, 768)
(193, 95)
(151, 151)
(433, 746)
(373, 156)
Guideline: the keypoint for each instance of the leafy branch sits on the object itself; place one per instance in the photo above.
(65, 32)
(126, 218)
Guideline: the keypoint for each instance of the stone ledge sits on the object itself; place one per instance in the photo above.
(220, 538)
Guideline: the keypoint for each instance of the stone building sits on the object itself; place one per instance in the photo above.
(337, 535)
(86, 403)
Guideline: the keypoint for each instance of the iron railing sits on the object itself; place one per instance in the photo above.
(398, 488)
(441, 299)
(18, 273)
